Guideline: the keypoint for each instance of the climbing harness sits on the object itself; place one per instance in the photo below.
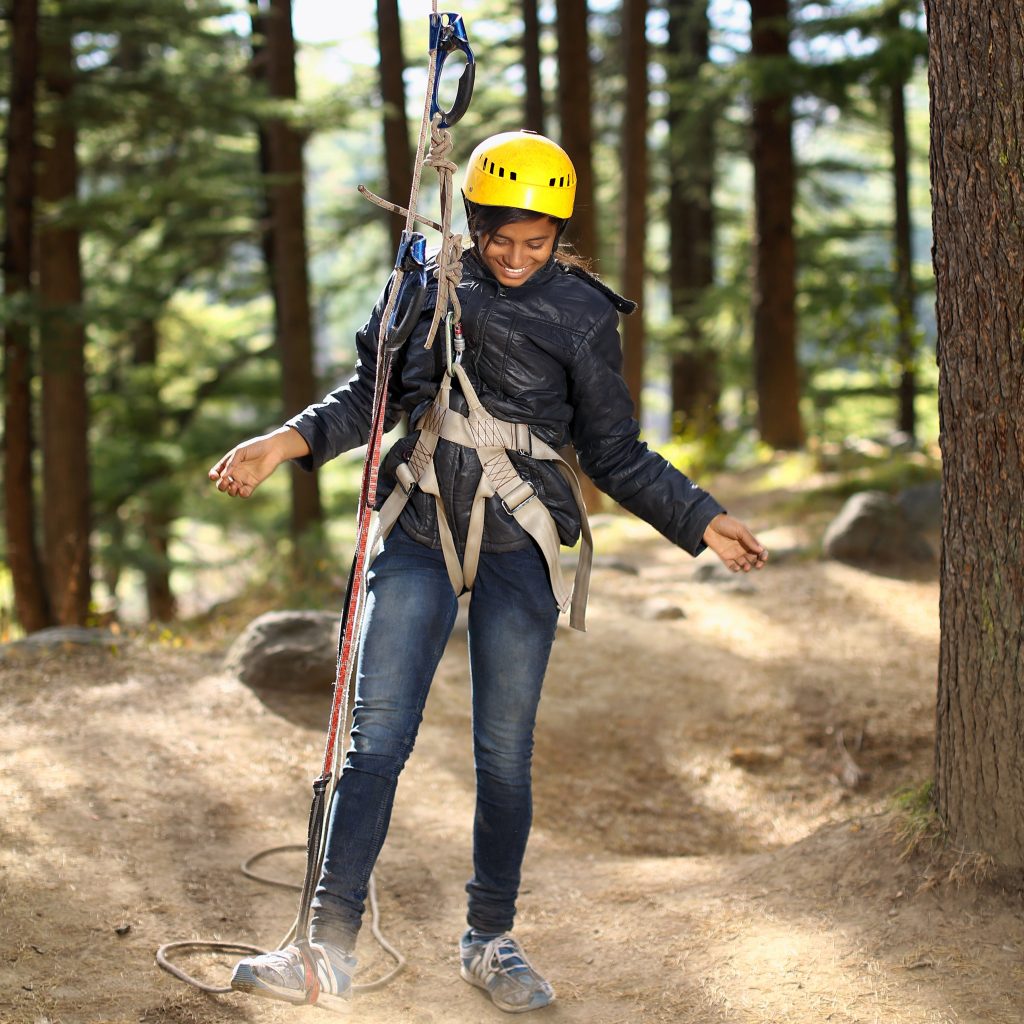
(409, 286)
(492, 439)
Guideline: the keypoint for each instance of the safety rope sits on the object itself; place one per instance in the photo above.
(434, 124)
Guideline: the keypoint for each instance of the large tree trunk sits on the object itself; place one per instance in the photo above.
(976, 74)
(691, 122)
(634, 207)
(574, 115)
(157, 514)
(65, 410)
(533, 109)
(30, 598)
(397, 151)
(903, 290)
(288, 270)
(574, 110)
(775, 365)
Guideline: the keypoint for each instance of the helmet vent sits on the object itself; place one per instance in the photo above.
(490, 167)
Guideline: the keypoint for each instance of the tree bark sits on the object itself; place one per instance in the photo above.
(776, 373)
(574, 109)
(533, 108)
(634, 206)
(976, 79)
(157, 514)
(398, 157)
(903, 286)
(289, 271)
(30, 598)
(65, 407)
(574, 115)
(695, 382)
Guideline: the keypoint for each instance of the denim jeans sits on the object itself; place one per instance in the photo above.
(409, 614)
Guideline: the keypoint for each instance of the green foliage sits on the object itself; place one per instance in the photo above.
(171, 208)
(916, 825)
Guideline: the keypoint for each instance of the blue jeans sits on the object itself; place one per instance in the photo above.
(409, 614)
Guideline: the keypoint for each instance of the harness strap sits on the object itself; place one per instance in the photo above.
(492, 438)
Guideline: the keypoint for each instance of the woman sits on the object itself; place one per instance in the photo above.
(541, 371)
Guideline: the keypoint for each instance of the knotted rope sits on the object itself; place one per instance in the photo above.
(449, 258)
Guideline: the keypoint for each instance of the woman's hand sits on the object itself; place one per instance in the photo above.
(734, 544)
(248, 464)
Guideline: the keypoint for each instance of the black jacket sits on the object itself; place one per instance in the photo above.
(546, 353)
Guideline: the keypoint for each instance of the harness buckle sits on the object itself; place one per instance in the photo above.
(405, 478)
(519, 504)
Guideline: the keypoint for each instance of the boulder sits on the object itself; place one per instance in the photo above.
(295, 651)
(871, 527)
(53, 639)
(922, 505)
(661, 610)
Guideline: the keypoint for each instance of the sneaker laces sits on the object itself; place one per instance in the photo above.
(501, 951)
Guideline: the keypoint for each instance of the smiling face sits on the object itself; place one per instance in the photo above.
(515, 251)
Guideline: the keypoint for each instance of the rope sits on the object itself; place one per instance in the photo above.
(191, 947)
(448, 275)
(449, 259)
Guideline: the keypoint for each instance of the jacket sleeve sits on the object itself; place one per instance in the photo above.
(607, 440)
(341, 420)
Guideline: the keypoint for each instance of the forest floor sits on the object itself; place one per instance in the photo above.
(696, 857)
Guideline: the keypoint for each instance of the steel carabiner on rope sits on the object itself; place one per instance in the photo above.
(412, 293)
(445, 38)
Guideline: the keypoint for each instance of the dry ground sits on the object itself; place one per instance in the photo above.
(694, 857)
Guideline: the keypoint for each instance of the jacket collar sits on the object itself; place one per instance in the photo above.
(480, 270)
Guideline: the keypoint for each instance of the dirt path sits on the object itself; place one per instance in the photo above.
(694, 858)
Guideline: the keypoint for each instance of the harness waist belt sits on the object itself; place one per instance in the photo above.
(492, 439)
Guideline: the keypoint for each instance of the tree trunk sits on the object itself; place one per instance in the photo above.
(65, 409)
(776, 374)
(30, 599)
(903, 290)
(397, 151)
(574, 115)
(695, 382)
(161, 604)
(976, 76)
(634, 207)
(288, 270)
(158, 514)
(574, 108)
(533, 110)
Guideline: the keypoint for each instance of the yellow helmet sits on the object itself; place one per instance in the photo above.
(523, 170)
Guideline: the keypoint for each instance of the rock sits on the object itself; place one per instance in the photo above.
(295, 651)
(74, 636)
(922, 505)
(657, 610)
(53, 639)
(615, 565)
(711, 572)
(871, 527)
(729, 582)
(756, 757)
(900, 441)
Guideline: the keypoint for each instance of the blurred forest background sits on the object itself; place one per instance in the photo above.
(754, 173)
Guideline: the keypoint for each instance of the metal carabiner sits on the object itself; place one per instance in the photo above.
(449, 319)
(446, 37)
(412, 294)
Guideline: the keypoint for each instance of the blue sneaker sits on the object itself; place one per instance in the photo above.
(498, 965)
(323, 976)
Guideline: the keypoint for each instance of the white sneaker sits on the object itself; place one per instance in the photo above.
(499, 966)
(319, 973)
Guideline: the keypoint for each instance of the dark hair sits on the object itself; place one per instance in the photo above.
(485, 220)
